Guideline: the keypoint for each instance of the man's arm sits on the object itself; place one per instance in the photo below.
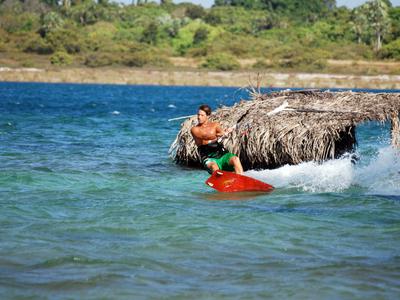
(219, 131)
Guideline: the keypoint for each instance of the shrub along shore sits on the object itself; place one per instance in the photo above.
(197, 78)
(280, 36)
(291, 43)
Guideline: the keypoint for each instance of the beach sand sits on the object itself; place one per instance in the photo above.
(197, 78)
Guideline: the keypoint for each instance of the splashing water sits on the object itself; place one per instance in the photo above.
(331, 176)
(381, 175)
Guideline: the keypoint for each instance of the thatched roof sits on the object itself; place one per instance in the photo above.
(291, 127)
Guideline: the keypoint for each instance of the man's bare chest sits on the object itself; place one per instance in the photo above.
(207, 133)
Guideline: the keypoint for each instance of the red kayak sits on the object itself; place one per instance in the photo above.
(228, 182)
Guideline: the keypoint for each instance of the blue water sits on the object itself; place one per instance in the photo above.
(93, 207)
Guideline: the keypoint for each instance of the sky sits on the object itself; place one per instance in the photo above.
(208, 3)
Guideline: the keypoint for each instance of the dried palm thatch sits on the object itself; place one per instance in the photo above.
(291, 127)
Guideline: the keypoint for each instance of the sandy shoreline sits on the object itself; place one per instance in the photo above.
(197, 78)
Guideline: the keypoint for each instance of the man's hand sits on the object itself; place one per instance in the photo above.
(229, 130)
(225, 133)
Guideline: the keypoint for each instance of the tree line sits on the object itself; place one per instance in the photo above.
(278, 34)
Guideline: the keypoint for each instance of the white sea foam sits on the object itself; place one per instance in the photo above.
(380, 176)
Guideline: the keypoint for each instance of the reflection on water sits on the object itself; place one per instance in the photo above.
(217, 196)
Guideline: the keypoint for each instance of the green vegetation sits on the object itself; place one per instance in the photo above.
(221, 62)
(61, 59)
(291, 35)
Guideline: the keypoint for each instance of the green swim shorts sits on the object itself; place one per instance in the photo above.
(222, 162)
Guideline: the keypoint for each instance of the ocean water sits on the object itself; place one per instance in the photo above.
(92, 207)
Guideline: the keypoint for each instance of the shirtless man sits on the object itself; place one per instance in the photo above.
(212, 153)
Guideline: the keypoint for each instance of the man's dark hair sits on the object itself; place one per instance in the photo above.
(205, 108)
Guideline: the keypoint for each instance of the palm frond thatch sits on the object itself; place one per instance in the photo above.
(291, 127)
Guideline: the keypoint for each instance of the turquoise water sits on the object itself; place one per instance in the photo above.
(92, 207)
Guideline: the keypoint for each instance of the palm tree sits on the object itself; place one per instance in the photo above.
(359, 22)
(378, 17)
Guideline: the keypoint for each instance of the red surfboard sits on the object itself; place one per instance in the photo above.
(228, 182)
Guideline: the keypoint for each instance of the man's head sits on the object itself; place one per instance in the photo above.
(203, 113)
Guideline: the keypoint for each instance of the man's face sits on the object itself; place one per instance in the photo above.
(202, 116)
